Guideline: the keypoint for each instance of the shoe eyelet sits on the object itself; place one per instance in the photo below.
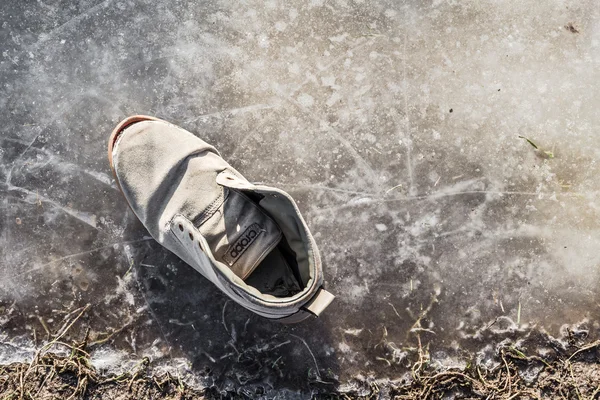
(181, 227)
(191, 236)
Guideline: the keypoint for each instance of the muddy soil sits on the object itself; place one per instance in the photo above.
(529, 365)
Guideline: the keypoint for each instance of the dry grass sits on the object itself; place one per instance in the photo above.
(51, 376)
(55, 377)
(72, 377)
(570, 372)
(575, 374)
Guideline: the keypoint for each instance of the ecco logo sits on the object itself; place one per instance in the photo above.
(243, 242)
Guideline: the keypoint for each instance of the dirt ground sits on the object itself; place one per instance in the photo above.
(530, 366)
(518, 377)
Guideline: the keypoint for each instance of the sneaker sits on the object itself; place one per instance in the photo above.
(249, 240)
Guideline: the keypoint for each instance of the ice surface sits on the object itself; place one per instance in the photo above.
(395, 125)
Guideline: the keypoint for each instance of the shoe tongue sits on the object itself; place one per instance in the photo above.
(239, 232)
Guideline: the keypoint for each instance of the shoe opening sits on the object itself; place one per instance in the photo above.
(255, 243)
(277, 274)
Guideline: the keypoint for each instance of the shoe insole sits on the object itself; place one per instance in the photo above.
(274, 276)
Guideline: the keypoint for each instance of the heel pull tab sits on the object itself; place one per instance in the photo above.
(319, 302)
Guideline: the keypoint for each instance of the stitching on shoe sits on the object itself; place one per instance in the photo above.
(211, 209)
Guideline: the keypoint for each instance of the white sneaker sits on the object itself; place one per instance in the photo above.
(249, 240)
